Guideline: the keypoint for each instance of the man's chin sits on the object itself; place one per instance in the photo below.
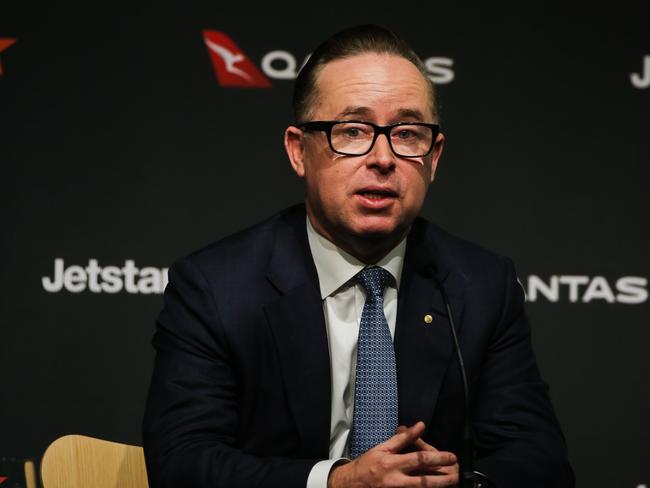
(378, 231)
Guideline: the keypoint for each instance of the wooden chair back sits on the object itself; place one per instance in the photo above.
(76, 461)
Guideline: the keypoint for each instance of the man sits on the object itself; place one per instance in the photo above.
(313, 349)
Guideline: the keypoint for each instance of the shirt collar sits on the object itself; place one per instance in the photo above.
(335, 267)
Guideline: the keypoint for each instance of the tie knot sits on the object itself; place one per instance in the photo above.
(374, 279)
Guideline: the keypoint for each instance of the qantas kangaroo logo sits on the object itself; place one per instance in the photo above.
(232, 66)
(234, 69)
(4, 44)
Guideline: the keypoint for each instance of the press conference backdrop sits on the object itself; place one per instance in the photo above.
(125, 143)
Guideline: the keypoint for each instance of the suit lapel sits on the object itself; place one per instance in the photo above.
(424, 350)
(298, 327)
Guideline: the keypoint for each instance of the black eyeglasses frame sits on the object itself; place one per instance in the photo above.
(326, 126)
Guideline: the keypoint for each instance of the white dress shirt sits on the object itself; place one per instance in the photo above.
(343, 300)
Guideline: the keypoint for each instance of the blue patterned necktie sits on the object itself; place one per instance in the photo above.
(375, 391)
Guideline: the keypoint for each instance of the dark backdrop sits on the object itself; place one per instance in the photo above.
(119, 148)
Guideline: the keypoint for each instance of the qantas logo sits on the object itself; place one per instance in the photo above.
(3, 479)
(234, 69)
(629, 290)
(232, 66)
(4, 44)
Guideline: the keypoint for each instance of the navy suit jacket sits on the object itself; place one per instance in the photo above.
(240, 393)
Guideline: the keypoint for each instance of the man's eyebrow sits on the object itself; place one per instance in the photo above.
(410, 113)
(350, 110)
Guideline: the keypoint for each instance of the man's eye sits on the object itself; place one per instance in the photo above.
(354, 131)
(405, 134)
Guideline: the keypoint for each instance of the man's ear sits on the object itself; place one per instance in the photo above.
(294, 145)
(435, 154)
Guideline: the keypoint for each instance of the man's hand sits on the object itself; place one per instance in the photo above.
(386, 466)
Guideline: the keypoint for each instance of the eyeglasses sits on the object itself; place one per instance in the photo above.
(356, 138)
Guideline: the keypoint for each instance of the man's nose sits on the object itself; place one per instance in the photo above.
(381, 156)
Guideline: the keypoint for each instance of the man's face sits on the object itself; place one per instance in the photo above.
(374, 197)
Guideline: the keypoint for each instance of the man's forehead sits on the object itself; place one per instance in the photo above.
(361, 111)
(366, 84)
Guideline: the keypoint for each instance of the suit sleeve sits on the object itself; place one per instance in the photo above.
(191, 420)
(518, 438)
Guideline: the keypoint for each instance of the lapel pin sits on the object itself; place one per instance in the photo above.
(428, 319)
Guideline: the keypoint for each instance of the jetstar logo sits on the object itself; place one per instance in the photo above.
(105, 279)
(234, 69)
(641, 80)
(4, 44)
(230, 63)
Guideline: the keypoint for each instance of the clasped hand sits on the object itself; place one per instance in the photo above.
(404, 460)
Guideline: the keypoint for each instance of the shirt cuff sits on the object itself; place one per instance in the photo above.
(320, 472)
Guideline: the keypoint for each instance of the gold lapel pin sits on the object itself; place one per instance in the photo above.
(428, 319)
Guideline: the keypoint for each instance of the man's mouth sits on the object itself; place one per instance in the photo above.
(377, 194)
(376, 199)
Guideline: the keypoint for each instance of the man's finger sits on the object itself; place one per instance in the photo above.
(426, 480)
(404, 437)
(419, 443)
(430, 481)
(423, 446)
(425, 460)
(437, 471)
